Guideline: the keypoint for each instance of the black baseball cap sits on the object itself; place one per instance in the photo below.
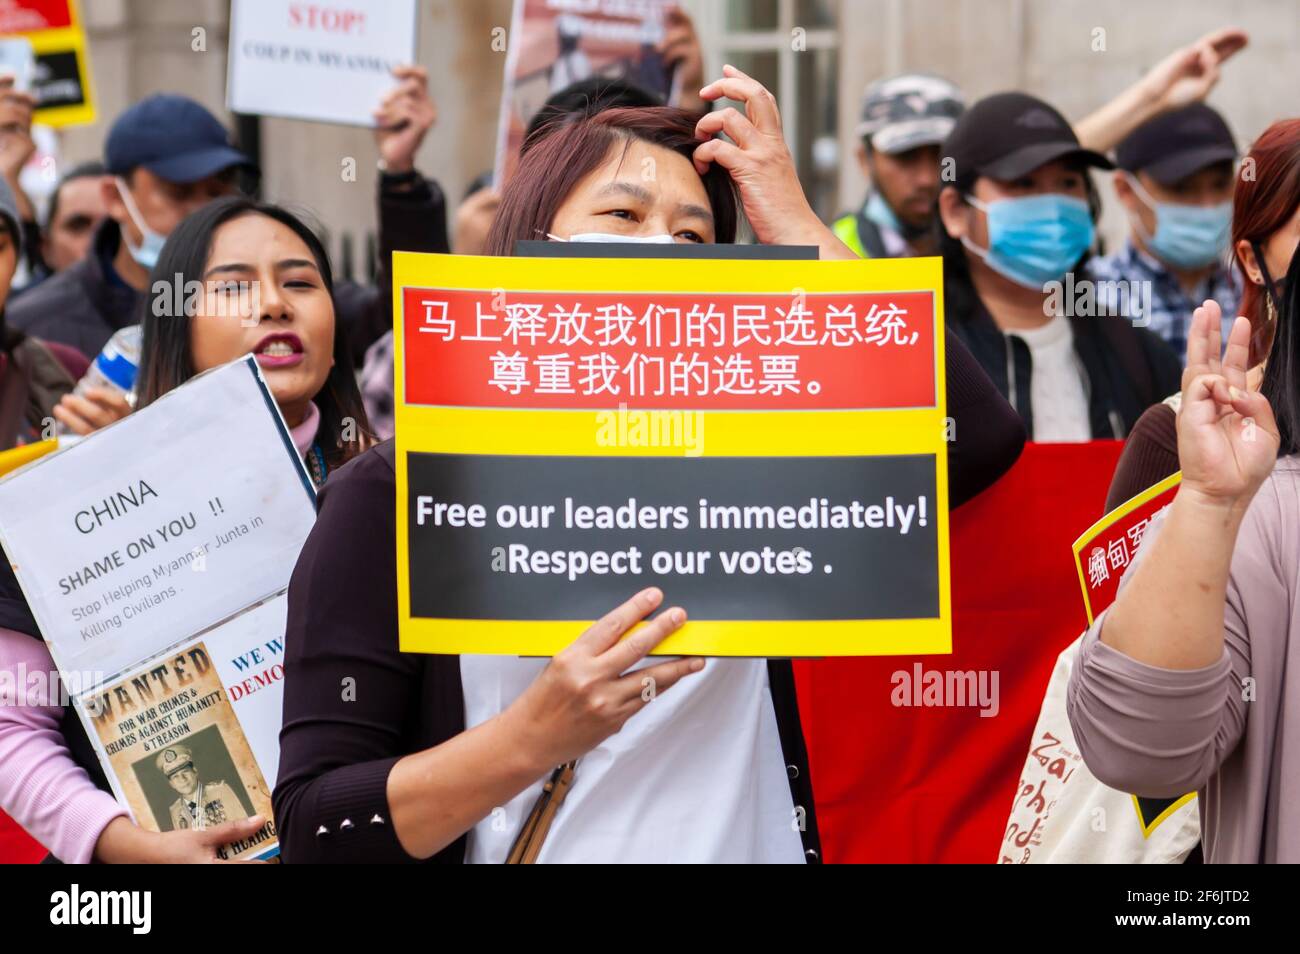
(174, 138)
(1176, 144)
(1007, 135)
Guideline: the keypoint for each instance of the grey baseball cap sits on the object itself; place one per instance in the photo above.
(903, 112)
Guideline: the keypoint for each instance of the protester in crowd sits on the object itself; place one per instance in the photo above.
(474, 220)
(253, 258)
(166, 156)
(1182, 684)
(1017, 218)
(34, 374)
(76, 211)
(411, 214)
(904, 121)
(1175, 183)
(976, 456)
(16, 148)
(363, 780)
(248, 259)
(1265, 233)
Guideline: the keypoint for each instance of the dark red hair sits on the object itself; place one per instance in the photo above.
(555, 160)
(1266, 196)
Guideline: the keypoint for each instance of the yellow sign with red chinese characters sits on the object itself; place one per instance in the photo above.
(764, 440)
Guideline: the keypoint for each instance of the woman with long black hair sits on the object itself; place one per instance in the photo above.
(255, 279)
(235, 277)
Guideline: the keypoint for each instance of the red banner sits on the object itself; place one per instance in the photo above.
(28, 16)
(919, 783)
(773, 352)
(1105, 550)
(16, 846)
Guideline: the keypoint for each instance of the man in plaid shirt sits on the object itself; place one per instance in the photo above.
(1174, 178)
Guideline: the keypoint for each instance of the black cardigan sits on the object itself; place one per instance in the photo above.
(1128, 368)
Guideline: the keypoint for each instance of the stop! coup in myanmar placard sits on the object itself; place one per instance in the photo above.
(765, 441)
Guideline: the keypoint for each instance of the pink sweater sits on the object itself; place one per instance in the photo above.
(1229, 731)
(41, 787)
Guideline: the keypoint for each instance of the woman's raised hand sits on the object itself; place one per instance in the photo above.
(761, 165)
(1227, 435)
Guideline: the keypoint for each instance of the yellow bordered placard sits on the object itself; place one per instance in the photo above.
(1149, 827)
(24, 454)
(1117, 516)
(1109, 520)
(70, 39)
(524, 431)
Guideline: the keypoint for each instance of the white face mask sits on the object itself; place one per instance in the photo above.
(606, 237)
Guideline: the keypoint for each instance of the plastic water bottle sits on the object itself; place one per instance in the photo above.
(115, 367)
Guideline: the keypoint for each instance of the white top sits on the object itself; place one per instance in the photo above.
(1058, 394)
(696, 776)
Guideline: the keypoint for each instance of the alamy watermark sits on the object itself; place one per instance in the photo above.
(1089, 298)
(40, 687)
(624, 428)
(946, 688)
(177, 298)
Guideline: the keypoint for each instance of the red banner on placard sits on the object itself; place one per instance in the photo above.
(1106, 549)
(771, 352)
(28, 16)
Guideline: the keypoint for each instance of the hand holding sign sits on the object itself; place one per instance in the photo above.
(761, 165)
(681, 51)
(586, 694)
(97, 408)
(123, 842)
(403, 118)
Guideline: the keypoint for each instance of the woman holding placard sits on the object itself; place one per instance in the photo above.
(387, 756)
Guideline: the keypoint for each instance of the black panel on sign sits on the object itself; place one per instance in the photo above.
(798, 572)
(57, 82)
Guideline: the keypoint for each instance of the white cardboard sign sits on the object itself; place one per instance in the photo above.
(162, 525)
(326, 61)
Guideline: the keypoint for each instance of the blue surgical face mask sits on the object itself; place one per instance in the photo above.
(879, 211)
(1187, 236)
(146, 254)
(1034, 239)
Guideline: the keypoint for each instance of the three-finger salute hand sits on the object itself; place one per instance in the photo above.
(1227, 434)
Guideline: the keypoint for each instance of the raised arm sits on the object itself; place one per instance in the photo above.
(1183, 77)
(1170, 614)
